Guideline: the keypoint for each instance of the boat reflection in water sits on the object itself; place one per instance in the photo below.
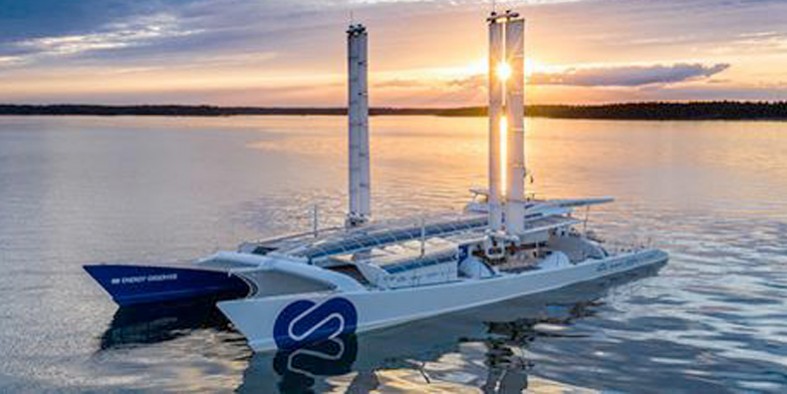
(145, 324)
(399, 356)
(299, 369)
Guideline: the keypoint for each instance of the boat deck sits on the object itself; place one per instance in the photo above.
(457, 228)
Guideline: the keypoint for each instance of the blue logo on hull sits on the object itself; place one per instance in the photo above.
(304, 322)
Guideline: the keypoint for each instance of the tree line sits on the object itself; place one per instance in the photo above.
(701, 110)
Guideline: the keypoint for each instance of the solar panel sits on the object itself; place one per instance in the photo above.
(380, 237)
(419, 262)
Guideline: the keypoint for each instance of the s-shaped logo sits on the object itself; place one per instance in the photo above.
(303, 322)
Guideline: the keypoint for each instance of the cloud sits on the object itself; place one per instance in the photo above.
(611, 76)
(472, 82)
(756, 42)
(399, 83)
(136, 32)
(22, 20)
(629, 75)
(10, 60)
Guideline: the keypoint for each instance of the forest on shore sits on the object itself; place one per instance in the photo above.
(702, 110)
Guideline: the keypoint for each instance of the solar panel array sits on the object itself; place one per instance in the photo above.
(420, 261)
(378, 237)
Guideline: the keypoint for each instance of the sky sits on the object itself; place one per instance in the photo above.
(423, 53)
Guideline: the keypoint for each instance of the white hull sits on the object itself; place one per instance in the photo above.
(258, 318)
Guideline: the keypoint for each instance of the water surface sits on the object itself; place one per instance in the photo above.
(77, 190)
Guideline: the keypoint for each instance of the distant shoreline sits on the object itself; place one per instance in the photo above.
(705, 110)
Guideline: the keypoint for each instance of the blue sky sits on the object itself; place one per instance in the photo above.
(423, 53)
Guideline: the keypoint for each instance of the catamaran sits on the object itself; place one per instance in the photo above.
(290, 291)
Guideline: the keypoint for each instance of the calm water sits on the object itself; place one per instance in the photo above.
(86, 190)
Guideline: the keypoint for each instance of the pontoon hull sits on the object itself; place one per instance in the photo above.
(283, 322)
(135, 284)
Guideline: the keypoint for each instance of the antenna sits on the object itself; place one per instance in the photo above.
(352, 18)
(315, 221)
(423, 236)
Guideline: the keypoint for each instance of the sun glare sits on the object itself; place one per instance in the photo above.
(479, 66)
(503, 71)
(529, 65)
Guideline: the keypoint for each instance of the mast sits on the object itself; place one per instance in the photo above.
(506, 123)
(515, 112)
(496, 85)
(358, 117)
